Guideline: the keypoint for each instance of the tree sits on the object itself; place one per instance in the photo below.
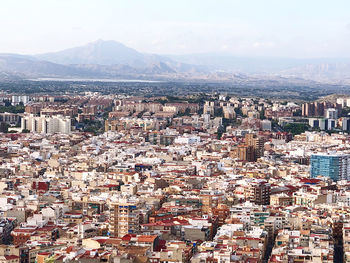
(187, 112)
(7, 103)
(345, 112)
(297, 113)
(218, 112)
(219, 135)
(239, 111)
(139, 115)
(12, 109)
(262, 115)
(296, 128)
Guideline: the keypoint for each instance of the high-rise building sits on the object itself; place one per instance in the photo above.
(342, 101)
(246, 153)
(315, 108)
(314, 123)
(124, 218)
(17, 99)
(209, 107)
(332, 124)
(260, 192)
(346, 124)
(243, 152)
(333, 166)
(257, 143)
(207, 203)
(308, 109)
(331, 113)
(320, 107)
(46, 124)
(322, 124)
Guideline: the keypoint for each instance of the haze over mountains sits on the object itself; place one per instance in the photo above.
(111, 59)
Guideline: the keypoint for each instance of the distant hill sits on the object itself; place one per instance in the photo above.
(18, 66)
(335, 72)
(99, 52)
(111, 59)
(318, 69)
(112, 56)
(13, 66)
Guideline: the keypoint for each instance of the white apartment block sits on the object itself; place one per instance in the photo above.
(17, 99)
(46, 124)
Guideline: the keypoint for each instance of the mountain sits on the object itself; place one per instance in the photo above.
(111, 56)
(100, 59)
(99, 52)
(14, 67)
(228, 62)
(113, 60)
(336, 72)
(19, 66)
(318, 69)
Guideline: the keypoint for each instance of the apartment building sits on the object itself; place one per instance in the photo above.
(46, 124)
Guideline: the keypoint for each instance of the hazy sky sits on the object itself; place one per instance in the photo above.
(288, 28)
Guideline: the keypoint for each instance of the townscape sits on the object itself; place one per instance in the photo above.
(196, 178)
(187, 131)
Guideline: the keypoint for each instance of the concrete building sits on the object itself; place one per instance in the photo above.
(17, 99)
(335, 166)
(322, 124)
(266, 125)
(124, 218)
(209, 107)
(342, 101)
(346, 124)
(257, 143)
(46, 124)
(260, 193)
(9, 118)
(331, 113)
(243, 153)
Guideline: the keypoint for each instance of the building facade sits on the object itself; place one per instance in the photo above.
(335, 167)
(124, 219)
(46, 124)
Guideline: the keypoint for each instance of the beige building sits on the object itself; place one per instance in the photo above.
(125, 218)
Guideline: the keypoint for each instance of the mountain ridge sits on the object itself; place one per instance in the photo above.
(112, 59)
(100, 52)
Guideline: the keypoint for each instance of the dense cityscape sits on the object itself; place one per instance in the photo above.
(196, 178)
(187, 131)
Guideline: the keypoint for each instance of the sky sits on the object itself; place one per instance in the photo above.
(254, 28)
